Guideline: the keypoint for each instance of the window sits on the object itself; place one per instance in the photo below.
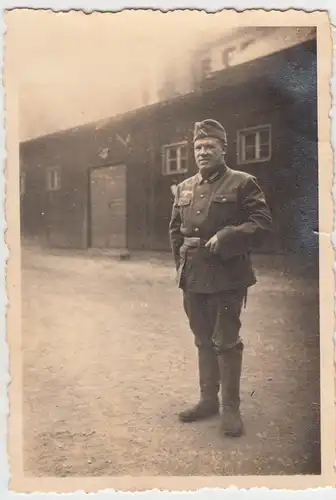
(53, 179)
(227, 56)
(175, 158)
(22, 183)
(254, 144)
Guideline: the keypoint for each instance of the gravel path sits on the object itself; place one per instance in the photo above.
(109, 361)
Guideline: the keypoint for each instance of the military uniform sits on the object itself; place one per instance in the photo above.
(230, 204)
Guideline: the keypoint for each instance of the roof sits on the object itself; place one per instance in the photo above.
(234, 35)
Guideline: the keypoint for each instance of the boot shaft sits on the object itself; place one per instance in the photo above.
(230, 368)
(209, 376)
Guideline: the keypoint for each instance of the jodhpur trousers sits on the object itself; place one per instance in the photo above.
(215, 322)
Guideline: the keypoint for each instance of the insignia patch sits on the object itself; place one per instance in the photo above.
(186, 193)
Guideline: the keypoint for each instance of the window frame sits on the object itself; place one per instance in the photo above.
(49, 171)
(257, 129)
(166, 171)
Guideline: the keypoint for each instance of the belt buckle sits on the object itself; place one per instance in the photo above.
(192, 241)
(196, 240)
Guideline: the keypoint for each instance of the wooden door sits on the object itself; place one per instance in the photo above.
(108, 207)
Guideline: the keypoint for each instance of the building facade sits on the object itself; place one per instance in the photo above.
(109, 184)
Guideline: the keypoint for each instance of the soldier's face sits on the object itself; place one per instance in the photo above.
(208, 153)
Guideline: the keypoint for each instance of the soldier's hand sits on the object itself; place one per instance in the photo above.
(212, 244)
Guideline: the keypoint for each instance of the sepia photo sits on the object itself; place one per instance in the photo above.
(170, 275)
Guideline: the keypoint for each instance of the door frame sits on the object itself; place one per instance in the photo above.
(89, 206)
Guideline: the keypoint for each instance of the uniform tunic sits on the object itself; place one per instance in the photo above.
(232, 205)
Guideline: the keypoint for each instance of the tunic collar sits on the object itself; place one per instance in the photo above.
(217, 174)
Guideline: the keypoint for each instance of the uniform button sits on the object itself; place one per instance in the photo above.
(202, 195)
(198, 212)
(196, 229)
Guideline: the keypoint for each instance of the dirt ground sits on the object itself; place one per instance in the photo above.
(109, 361)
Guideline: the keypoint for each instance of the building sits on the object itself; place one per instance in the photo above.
(108, 184)
(203, 64)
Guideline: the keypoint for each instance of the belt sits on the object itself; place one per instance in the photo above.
(194, 242)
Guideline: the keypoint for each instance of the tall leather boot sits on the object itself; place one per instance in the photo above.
(230, 367)
(209, 380)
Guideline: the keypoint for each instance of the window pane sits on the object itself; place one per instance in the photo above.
(183, 151)
(172, 153)
(264, 151)
(264, 137)
(249, 153)
(250, 139)
(183, 164)
(172, 166)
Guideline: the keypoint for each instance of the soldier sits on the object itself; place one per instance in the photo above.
(218, 216)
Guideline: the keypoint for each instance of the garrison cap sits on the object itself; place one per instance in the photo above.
(209, 128)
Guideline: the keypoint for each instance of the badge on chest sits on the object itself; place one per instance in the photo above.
(185, 198)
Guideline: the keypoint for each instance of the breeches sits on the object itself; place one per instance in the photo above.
(215, 318)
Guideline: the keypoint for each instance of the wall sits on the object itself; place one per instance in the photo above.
(55, 216)
(262, 94)
(60, 217)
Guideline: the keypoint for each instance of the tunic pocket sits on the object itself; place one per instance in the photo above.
(184, 203)
(223, 208)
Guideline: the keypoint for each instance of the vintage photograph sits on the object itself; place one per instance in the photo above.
(173, 224)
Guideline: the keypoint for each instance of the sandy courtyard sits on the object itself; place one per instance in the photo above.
(109, 361)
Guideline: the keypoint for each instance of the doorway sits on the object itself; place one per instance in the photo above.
(108, 226)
